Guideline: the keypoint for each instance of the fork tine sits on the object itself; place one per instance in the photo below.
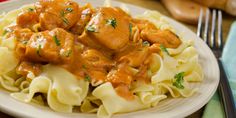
(199, 26)
(213, 29)
(219, 35)
(205, 35)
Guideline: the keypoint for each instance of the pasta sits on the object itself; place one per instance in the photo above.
(8, 60)
(64, 91)
(71, 61)
(107, 94)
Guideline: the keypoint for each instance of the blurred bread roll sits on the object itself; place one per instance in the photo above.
(188, 10)
(228, 6)
(184, 10)
(231, 7)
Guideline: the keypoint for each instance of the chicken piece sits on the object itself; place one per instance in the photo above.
(18, 32)
(57, 13)
(164, 37)
(96, 59)
(50, 46)
(121, 75)
(26, 67)
(124, 91)
(143, 24)
(23, 34)
(136, 57)
(109, 27)
(97, 77)
(22, 37)
(27, 19)
(128, 48)
(135, 35)
(150, 33)
(154, 48)
(86, 15)
(143, 75)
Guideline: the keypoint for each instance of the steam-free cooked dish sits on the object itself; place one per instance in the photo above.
(77, 58)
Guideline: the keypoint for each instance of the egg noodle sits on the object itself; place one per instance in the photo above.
(171, 70)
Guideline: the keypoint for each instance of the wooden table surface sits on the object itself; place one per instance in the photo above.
(156, 5)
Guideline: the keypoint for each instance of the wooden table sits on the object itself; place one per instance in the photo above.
(156, 5)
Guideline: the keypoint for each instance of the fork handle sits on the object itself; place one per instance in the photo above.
(226, 93)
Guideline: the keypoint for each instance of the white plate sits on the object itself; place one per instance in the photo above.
(170, 108)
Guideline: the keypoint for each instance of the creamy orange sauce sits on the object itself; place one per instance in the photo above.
(98, 44)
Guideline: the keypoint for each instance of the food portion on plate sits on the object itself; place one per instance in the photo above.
(75, 58)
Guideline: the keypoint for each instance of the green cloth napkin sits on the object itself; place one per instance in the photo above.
(214, 109)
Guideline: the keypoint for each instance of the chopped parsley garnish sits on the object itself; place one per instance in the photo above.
(30, 9)
(38, 50)
(69, 9)
(146, 43)
(65, 20)
(67, 53)
(91, 28)
(163, 48)
(130, 28)
(56, 40)
(112, 22)
(178, 81)
(87, 78)
(4, 32)
(62, 13)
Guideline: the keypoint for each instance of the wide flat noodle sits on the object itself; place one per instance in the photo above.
(168, 87)
(187, 62)
(196, 75)
(90, 104)
(157, 19)
(185, 44)
(63, 89)
(8, 63)
(10, 43)
(8, 60)
(147, 94)
(168, 69)
(8, 85)
(113, 103)
(70, 89)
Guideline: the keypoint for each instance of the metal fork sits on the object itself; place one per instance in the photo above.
(216, 44)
